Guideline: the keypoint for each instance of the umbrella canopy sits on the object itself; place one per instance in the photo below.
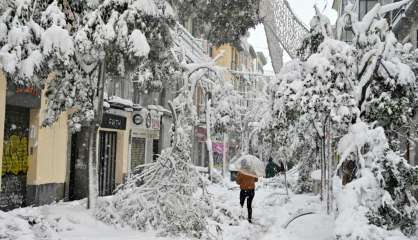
(250, 165)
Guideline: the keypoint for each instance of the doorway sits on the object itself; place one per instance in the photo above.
(107, 162)
(15, 158)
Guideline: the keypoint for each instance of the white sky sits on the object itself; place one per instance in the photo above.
(304, 11)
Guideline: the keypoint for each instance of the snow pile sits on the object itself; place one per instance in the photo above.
(169, 196)
(12, 227)
(378, 203)
(138, 44)
(121, 101)
(20, 51)
(56, 40)
(27, 224)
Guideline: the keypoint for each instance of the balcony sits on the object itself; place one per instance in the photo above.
(195, 50)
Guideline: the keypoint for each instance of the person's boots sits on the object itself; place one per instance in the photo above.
(250, 213)
(241, 213)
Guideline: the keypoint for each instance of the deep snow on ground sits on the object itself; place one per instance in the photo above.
(69, 221)
(271, 209)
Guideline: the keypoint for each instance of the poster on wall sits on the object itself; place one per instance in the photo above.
(218, 150)
(200, 133)
(155, 120)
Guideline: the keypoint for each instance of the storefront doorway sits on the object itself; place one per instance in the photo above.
(107, 162)
(15, 157)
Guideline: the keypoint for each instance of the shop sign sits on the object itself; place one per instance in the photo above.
(155, 119)
(146, 124)
(113, 121)
(27, 97)
(146, 119)
(29, 90)
(218, 147)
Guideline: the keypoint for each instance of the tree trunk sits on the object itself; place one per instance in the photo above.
(93, 176)
(285, 175)
(329, 162)
(322, 167)
(93, 135)
(208, 137)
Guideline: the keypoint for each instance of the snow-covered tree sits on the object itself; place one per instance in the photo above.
(336, 84)
(24, 43)
(388, 178)
(320, 27)
(238, 114)
(220, 21)
(127, 39)
(170, 194)
(227, 111)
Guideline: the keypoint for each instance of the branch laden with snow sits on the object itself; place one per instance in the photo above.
(170, 194)
(220, 21)
(388, 178)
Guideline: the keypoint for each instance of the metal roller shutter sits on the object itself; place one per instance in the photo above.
(137, 152)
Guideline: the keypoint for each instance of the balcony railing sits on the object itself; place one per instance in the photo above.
(196, 50)
(398, 13)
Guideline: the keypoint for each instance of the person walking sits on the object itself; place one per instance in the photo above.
(272, 169)
(246, 183)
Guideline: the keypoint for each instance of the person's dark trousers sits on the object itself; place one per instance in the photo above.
(249, 195)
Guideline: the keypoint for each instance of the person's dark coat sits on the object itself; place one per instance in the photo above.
(272, 169)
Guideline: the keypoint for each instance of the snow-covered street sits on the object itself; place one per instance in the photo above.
(271, 206)
(208, 119)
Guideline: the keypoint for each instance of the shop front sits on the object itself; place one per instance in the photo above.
(113, 149)
(33, 159)
(15, 157)
(145, 137)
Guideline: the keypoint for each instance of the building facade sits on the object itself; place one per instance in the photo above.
(34, 159)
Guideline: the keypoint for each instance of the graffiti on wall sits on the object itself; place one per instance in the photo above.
(12, 191)
(15, 155)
